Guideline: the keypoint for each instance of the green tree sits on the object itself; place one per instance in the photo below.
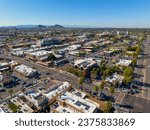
(80, 82)
(112, 91)
(10, 91)
(101, 86)
(107, 72)
(116, 84)
(134, 61)
(127, 80)
(108, 107)
(102, 68)
(115, 68)
(51, 57)
(128, 71)
(96, 88)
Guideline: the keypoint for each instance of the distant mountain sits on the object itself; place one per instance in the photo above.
(25, 26)
(35, 26)
(41, 26)
(57, 26)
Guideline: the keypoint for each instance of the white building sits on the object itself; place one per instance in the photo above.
(122, 32)
(49, 42)
(76, 103)
(39, 55)
(36, 98)
(23, 108)
(56, 90)
(123, 62)
(84, 63)
(115, 77)
(13, 64)
(73, 47)
(4, 108)
(4, 66)
(25, 70)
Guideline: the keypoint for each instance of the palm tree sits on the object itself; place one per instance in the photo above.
(112, 91)
(10, 91)
(96, 88)
(80, 82)
(116, 84)
(108, 107)
(101, 86)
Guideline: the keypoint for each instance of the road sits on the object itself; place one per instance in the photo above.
(57, 74)
(141, 102)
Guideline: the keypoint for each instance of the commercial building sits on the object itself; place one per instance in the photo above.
(73, 102)
(73, 47)
(84, 63)
(49, 42)
(56, 90)
(25, 70)
(20, 45)
(122, 32)
(35, 98)
(6, 79)
(39, 55)
(123, 62)
(60, 62)
(4, 66)
(13, 64)
(4, 108)
(22, 107)
(115, 77)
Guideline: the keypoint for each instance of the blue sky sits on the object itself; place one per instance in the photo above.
(101, 13)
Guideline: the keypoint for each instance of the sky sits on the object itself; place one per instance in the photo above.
(96, 13)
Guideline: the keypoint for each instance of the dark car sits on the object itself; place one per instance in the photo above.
(104, 97)
(28, 85)
(2, 90)
(23, 83)
(47, 73)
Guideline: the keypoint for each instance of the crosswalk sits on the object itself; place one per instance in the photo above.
(120, 98)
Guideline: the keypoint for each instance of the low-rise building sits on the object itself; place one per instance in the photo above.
(25, 70)
(60, 62)
(22, 107)
(39, 55)
(13, 64)
(4, 66)
(56, 90)
(6, 79)
(115, 77)
(73, 47)
(4, 108)
(73, 102)
(49, 42)
(122, 32)
(35, 98)
(123, 62)
(84, 63)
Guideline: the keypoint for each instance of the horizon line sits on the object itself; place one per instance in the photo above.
(71, 26)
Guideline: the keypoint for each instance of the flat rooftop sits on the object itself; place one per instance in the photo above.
(40, 53)
(57, 89)
(124, 62)
(61, 109)
(78, 102)
(24, 108)
(25, 69)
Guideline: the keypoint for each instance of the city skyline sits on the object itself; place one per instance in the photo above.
(94, 13)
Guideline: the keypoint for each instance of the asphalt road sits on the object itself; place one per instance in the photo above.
(55, 73)
(141, 102)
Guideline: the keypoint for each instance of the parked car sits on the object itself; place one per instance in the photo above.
(2, 89)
